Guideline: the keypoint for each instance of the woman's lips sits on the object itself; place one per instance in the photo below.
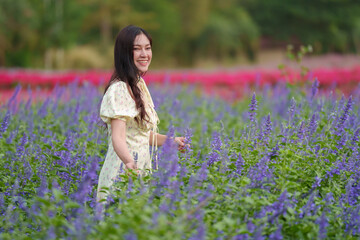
(143, 62)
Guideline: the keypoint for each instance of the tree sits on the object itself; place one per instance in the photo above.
(326, 24)
(229, 32)
(17, 39)
(165, 28)
(110, 16)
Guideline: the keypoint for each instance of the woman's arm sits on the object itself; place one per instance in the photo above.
(118, 131)
(160, 140)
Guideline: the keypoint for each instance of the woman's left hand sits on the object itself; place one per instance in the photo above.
(180, 141)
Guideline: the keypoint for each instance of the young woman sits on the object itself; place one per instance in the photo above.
(128, 110)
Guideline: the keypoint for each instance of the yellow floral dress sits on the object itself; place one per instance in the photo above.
(117, 103)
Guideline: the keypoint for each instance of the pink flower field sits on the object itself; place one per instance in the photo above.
(222, 82)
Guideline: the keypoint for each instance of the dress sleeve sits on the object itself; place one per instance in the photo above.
(117, 104)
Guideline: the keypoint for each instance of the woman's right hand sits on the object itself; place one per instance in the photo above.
(118, 131)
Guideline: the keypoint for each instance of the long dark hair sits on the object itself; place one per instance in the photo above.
(125, 69)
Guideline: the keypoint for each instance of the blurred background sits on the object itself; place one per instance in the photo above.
(79, 34)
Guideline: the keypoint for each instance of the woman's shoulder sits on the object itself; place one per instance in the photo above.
(118, 83)
(116, 86)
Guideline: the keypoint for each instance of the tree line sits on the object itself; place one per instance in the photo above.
(33, 31)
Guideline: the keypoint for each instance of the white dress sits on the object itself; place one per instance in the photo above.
(117, 103)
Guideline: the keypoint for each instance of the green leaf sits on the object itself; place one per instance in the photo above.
(62, 148)
(48, 146)
(219, 226)
(245, 181)
(58, 194)
(71, 204)
(55, 157)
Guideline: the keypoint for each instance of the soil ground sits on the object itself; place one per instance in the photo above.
(270, 59)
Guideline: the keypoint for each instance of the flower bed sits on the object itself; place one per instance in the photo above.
(280, 165)
(326, 77)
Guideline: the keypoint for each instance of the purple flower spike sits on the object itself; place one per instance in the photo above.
(216, 144)
(2, 203)
(341, 103)
(274, 152)
(355, 138)
(5, 123)
(267, 128)
(200, 232)
(51, 233)
(253, 108)
(312, 126)
(301, 131)
(323, 224)
(239, 164)
(329, 198)
(258, 235)
(291, 109)
(344, 116)
(130, 236)
(314, 88)
(277, 234)
(188, 136)
(13, 97)
(21, 148)
(317, 182)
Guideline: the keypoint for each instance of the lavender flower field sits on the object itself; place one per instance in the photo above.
(281, 163)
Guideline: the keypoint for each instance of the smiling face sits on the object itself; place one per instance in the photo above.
(142, 52)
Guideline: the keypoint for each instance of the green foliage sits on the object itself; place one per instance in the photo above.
(45, 26)
(325, 24)
(296, 57)
(229, 32)
(36, 33)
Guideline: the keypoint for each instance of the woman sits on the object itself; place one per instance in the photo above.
(128, 110)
